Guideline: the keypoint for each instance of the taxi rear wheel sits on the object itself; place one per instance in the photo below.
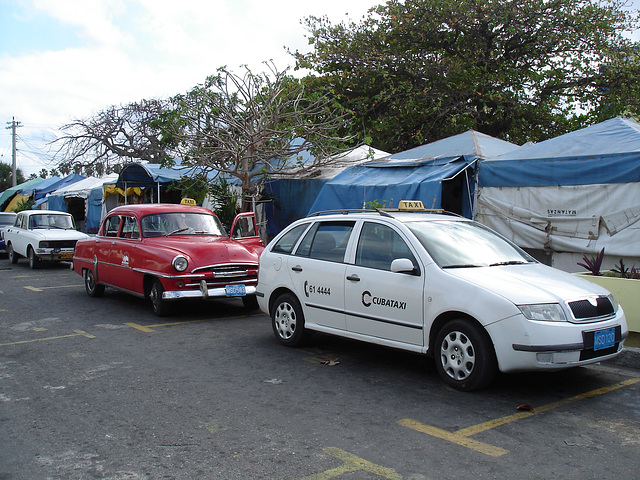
(287, 320)
(93, 289)
(159, 305)
(465, 358)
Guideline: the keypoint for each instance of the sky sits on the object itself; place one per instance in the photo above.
(66, 59)
(62, 60)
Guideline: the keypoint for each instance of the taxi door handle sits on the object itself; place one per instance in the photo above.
(353, 278)
(297, 268)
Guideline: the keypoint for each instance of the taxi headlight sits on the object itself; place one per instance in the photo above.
(614, 302)
(548, 312)
(44, 244)
(180, 263)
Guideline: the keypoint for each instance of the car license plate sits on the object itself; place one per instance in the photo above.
(66, 255)
(604, 338)
(235, 290)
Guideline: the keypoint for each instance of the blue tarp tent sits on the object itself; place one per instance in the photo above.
(292, 197)
(75, 198)
(154, 177)
(9, 193)
(440, 174)
(147, 175)
(571, 194)
(54, 183)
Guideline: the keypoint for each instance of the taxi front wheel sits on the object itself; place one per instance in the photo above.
(160, 306)
(464, 355)
(287, 320)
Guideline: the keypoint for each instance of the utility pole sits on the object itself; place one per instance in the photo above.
(13, 125)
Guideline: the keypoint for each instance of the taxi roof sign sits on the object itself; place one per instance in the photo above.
(408, 205)
(188, 201)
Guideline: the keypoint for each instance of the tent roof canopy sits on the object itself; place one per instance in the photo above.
(416, 174)
(467, 143)
(83, 187)
(145, 175)
(54, 183)
(608, 152)
(614, 136)
(10, 192)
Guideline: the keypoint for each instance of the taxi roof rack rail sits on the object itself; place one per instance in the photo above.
(383, 213)
(347, 211)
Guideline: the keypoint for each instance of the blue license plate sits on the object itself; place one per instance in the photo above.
(604, 338)
(235, 290)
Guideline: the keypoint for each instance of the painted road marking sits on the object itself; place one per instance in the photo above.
(461, 437)
(76, 334)
(150, 328)
(351, 463)
(40, 289)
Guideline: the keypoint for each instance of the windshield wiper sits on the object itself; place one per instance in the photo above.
(177, 231)
(464, 265)
(510, 262)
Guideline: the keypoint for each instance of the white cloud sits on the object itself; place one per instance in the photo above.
(117, 51)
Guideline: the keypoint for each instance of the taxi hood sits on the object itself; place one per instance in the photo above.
(529, 283)
(208, 249)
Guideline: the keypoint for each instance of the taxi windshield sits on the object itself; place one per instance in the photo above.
(181, 223)
(456, 244)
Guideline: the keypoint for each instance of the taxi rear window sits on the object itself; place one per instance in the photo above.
(289, 239)
(326, 241)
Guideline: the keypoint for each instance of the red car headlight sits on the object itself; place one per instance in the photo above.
(180, 263)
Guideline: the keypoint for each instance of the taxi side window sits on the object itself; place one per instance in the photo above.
(130, 228)
(112, 226)
(289, 239)
(326, 241)
(379, 245)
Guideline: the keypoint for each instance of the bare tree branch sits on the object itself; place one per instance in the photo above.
(252, 125)
(114, 136)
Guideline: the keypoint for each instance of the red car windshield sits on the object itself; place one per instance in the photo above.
(166, 224)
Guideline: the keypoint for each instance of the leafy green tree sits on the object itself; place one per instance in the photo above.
(24, 204)
(414, 71)
(6, 177)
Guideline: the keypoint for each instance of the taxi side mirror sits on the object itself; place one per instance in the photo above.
(403, 265)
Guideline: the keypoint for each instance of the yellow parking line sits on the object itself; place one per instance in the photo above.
(76, 334)
(461, 437)
(150, 328)
(40, 289)
(352, 464)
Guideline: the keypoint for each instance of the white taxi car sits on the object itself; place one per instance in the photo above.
(437, 284)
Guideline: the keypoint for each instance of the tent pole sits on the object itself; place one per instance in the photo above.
(158, 183)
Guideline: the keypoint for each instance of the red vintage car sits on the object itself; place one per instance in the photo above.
(167, 252)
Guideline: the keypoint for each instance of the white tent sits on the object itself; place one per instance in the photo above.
(568, 196)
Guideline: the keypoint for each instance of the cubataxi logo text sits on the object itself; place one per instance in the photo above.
(368, 300)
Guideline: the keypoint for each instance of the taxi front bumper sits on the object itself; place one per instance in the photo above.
(205, 292)
(526, 345)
